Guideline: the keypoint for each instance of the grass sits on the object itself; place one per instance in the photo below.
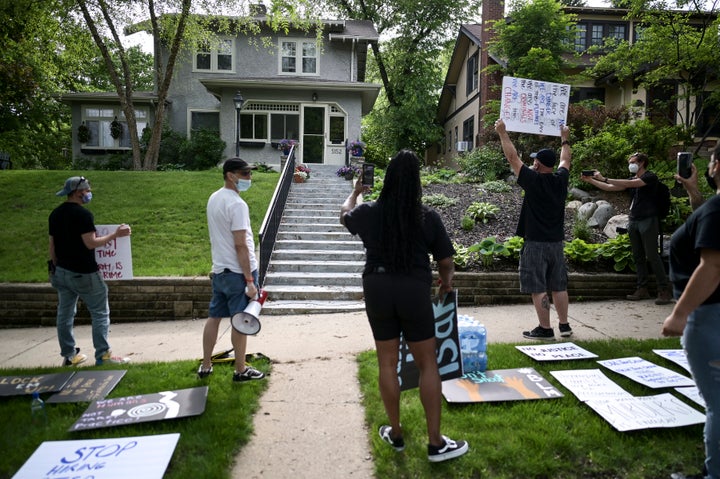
(208, 442)
(166, 211)
(558, 438)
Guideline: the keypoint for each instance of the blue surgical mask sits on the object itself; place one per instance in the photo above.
(633, 167)
(86, 197)
(243, 185)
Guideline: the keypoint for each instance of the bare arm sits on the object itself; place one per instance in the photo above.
(691, 186)
(92, 240)
(53, 257)
(509, 150)
(565, 153)
(446, 270)
(243, 255)
(352, 200)
(704, 280)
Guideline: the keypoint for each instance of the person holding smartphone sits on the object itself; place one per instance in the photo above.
(644, 224)
(398, 233)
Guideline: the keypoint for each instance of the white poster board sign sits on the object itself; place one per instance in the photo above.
(112, 458)
(115, 258)
(556, 352)
(534, 106)
(677, 356)
(646, 373)
(692, 393)
(633, 413)
(587, 384)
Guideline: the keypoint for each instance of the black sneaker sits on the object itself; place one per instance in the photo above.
(397, 444)
(248, 375)
(565, 330)
(449, 450)
(203, 373)
(543, 334)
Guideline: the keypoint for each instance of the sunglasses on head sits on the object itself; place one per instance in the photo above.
(82, 180)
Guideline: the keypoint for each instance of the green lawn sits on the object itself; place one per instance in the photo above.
(166, 211)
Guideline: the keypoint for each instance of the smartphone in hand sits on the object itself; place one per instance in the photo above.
(588, 172)
(684, 164)
(368, 175)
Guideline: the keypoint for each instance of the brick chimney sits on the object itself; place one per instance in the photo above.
(491, 10)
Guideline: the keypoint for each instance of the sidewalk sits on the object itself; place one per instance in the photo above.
(313, 397)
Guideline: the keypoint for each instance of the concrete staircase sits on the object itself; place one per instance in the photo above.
(316, 264)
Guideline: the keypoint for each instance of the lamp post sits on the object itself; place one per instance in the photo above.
(238, 100)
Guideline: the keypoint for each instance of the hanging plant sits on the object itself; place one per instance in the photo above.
(83, 133)
(116, 129)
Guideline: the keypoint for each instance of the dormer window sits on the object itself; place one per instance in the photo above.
(215, 58)
(298, 57)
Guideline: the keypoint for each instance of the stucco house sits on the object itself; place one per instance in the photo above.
(467, 88)
(255, 95)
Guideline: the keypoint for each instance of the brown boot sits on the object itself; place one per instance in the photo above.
(640, 293)
(664, 296)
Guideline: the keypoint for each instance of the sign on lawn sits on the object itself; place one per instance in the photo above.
(534, 106)
(501, 385)
(115, 258)
(40, 383)
(646, 373)
(88, 386)
(556, 352)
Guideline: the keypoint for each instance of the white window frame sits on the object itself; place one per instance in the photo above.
(299, 56)
(214, 52)
(105, 140)
(201, 110)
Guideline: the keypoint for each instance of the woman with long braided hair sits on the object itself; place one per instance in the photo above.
(398, 233)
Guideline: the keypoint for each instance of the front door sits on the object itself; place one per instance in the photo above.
(313, 140)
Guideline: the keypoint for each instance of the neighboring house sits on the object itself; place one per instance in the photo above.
(468, 89)
(295, 89)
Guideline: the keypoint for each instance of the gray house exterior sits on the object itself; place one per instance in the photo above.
(292, 87)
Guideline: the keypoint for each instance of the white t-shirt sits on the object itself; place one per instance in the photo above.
(227, 212)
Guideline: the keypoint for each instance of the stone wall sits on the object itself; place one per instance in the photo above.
(167, 299)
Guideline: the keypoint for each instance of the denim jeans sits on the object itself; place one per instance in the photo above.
(644, 243)
(94, 292)
(701, 341)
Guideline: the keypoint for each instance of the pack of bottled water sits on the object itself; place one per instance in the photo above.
(473, 344)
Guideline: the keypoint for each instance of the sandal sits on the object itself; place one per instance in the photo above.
(203, 373)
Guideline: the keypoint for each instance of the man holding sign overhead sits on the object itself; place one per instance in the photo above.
(541, 225)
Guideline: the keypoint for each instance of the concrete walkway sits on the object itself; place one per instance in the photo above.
(313, 397)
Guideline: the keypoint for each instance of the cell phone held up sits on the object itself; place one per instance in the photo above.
(588, 172)
(684, 164)
(368, 175)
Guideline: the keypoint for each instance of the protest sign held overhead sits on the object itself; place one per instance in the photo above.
(534, 106)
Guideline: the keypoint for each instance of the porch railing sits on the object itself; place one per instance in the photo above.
(271, 223)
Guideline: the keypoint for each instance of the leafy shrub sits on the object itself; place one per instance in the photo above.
(487, 249)
(680, 209)
(430, 176)
(513, 246)
(204, 150)
(481, 211)
(485, 163)
(619, 251)
(578, 251)
(496, 186)
(467, 223)
(439, 200)
(463, 256)
(581, 230)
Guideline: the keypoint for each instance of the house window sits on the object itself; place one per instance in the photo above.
(215, 57)
(298, 57)
(254, 126)
(471, 82)
(456, 136)
(284, 125)
(709, 121)
(204, 120)
(578, 94)
(98, 120)
(337, 130)
(469, 132)
(590, 33)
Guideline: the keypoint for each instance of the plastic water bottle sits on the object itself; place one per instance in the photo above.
(37, 410)
(481, 362)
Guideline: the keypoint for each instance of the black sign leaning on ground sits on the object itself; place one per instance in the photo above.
(448, 345)
(88, 386)
(145, 408)
(41, 383)
(521, 384)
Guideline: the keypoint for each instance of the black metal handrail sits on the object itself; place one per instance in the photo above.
(271, 223)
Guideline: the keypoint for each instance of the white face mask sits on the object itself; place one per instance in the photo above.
(243, 185)
(633, 167)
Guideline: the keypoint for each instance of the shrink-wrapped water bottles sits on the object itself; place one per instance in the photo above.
(473, 344)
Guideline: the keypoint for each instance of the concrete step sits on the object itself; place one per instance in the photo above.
(304, 212)
(314, 279)
(317, 206)
(313, 236)
(313, 227)
(317, 255)
(316, 266)
(310, 307)
(314, 293)
(351, 243)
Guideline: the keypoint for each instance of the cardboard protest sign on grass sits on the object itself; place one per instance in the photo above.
(144, 457)
(501, 385)
(556, 352)
(588, 384)
(633, 413)
(534, 106)
(143, 408)
(40, 383)
(448, 346)
(646, 373)
(88, 386)
(677, 356)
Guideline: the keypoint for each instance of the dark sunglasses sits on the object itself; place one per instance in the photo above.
(82, 180)
(245, 173)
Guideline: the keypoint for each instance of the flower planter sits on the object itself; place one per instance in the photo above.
(357, 151)
(349, 176)
(298, 179)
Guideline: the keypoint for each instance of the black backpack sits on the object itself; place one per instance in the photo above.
(662, 199)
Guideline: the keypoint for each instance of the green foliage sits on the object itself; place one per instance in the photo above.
(481, 211)
(463, 256)
(467, 223)
(204, 150)
(439, 200)
(513, 247)
(487, 249)
(581, 230)
(199, 433)
(484, 164)
(680, 209)
(496, 186)
(619, 251)
(579, 251)
(441, 176)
